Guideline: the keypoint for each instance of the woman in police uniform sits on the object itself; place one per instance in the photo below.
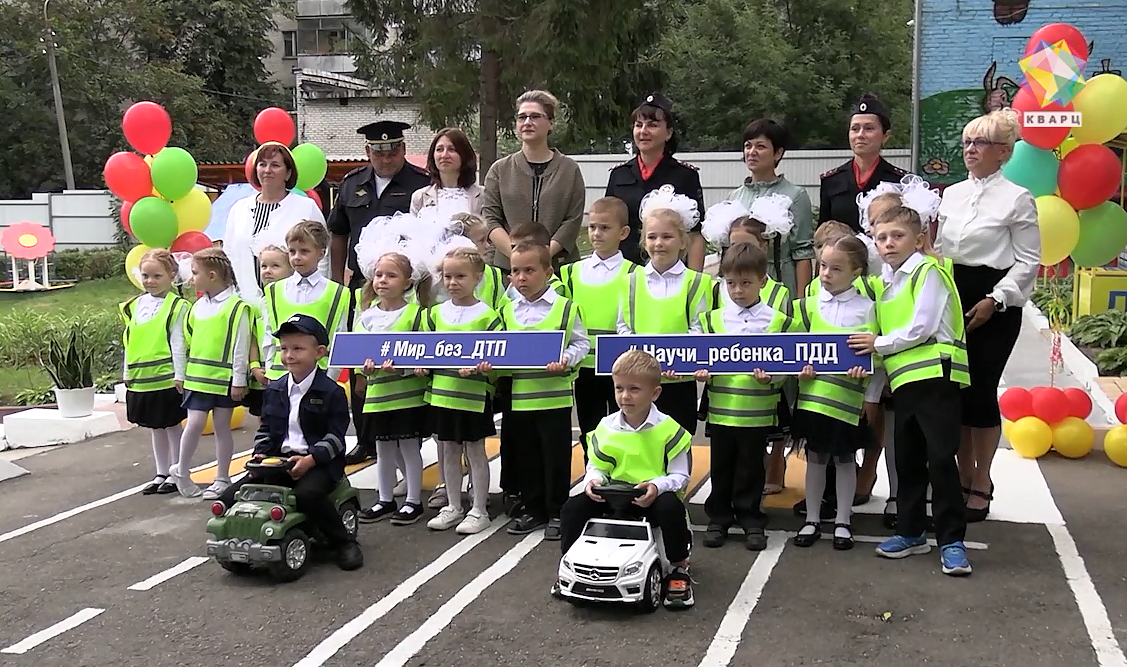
(653, 167)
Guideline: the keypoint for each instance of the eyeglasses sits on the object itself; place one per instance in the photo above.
(530, 116)
(978, 143)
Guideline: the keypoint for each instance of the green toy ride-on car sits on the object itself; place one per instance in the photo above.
(263, 529)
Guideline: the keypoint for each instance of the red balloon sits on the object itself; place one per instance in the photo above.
(1055, 32)
(1079, 402)
(312, 194)
(1088, 176)
(1046, 138)
(190, 242)
(147, 127)
(274, 124)
(127, 176)
(125, 209)
(1121, 408)
(1050, 405)
(248, 168)
(1016, 403)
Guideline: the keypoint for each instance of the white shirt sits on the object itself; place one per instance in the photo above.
(295, 440)
(751, 320)
(932, 318)
(301, 291)
(676, 475)
(145, 308)
(455, 314)
(595, 270)
(376, 319)
(530, 313)
(992, 222)
(381, 183)
(662, 285)
(208, 306)
(848, 310)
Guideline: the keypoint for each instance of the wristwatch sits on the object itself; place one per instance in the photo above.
(998, 305)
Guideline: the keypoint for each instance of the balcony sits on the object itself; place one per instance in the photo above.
(321, 8)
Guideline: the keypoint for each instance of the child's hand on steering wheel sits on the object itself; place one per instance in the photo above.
(650, 497)
(590, 491)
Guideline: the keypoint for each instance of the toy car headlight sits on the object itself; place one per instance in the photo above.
(632, 568)
(566, 564)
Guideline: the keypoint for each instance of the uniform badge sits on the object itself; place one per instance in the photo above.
(361, 192)
(650, 98)
(384, 136)
(316, 401)
(864, 106)
(667, 189)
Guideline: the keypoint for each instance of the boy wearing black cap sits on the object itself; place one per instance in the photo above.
(304, 419)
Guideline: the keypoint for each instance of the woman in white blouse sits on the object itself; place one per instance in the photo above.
(452, 165)
(271, 212)
(988, 228)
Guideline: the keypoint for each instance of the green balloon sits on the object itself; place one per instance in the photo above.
(1103, 235)
(174, 172)
(1033, 169)
(153, 222)
(311, 165)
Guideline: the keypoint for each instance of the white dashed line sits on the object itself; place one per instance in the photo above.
(161, 577)
(53, 631)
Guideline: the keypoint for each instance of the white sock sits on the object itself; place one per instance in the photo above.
(815, 487)
(452, 472)
(479, 473)
(190, 439)
(846, 487)
(890, 466)
(411, 456)
(224, 443)
(160, 451)
(386, 453)
(441, 458)
(399, 462)
(172, 436)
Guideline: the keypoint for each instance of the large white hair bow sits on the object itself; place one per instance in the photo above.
(865, 199)
(399, 233)
(718, 219)
(919, 196)
(666, 198)
(773, 211)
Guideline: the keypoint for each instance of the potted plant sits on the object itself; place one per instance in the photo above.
(69, 362)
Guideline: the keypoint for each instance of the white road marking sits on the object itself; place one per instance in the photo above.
(1092, 609)
(828, 535)
(727, 639)
(53, 631)
(346, 633)
(161, 577)
(415, 641)
(63, 516)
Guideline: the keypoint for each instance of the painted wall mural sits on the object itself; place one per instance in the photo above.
(969, 63)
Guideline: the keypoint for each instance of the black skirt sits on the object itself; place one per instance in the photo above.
(988, 347)
(825, 439)
(402, 424)
(154, 409)
(462, 425)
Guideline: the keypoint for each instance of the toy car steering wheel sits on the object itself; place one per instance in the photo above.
(270, 463)
(619, 489)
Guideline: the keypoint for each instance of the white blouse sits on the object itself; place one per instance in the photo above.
(992, 222)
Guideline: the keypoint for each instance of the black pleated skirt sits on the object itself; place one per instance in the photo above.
(154, 409)
(461, 425)
(825, 439)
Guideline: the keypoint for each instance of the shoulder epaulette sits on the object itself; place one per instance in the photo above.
(623, 164)
(833, 171)
(354, 171)
(418, 170)
(897, 170)
(686, 164)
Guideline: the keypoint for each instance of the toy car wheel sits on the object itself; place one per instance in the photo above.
(651, 597)
(350, 516)
(295, 548)
(234, 568)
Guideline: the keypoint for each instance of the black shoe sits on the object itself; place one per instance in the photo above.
(525, 524)
(889, 518)
(678, 589)
(828, 509)
(552, 532)
(978, 515)
(361, 454)
(512, 506)
(166, 488)
(715, 536)
(756, 539)
(861, 498)
(407, 514)
(808, 540)
(349, 557)
(843, 543)
(378, 512)
(154, 486)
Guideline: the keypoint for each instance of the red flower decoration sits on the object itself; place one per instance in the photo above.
(27, 240)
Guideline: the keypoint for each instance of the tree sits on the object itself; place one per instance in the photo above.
(458, 58)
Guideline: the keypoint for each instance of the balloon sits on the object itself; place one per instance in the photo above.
(1115, 445)
(1060, 229)
(274, 124)
(147, 127)
(1073, 438)
(174, 172)
(1040, 137)
(127, 176)
(237, 417)
(298, 192)
(1102, 103)
(311, 165)
(1031, 438)
(1006, 426)
(193, 211)
(1051, 405)
(1034, 169)
(1103, 234)
(1056, 32)
(1015, 403)
(126, 207)
(248, 168)
(153, 222)
(1079, 402)
(133, 264)
(312, 194)
(1088, 176)
(1121, 408)
(190, 242)
(1067, 146)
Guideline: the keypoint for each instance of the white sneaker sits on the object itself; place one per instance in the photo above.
(184, 483)
(447, 518)
(400, 489)
(216, 489)
(475, 522)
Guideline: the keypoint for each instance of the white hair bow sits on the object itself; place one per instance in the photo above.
(773, 210)
(666, 198)
(718, 219)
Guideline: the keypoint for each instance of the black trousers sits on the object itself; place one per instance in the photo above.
(667, 513)
(511, 477)
(312, 491)
(928, 429)
(679, 401)
(738, 476)
(594, 399)
(544, 459)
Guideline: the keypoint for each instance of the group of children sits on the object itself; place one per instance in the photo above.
(427, 272)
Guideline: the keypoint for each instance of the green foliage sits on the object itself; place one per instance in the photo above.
(74, 264)
(26, 335)
(1113, 362)
(1105, 330)
(35, 397)
(1053, 297)
(69, 359)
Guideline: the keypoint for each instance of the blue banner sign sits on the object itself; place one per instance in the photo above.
(722, 354)
(448, 349)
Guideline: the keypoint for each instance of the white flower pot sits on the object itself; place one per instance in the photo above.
(75, 402)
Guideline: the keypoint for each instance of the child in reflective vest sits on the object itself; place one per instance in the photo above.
(273, 265)
(218, 334)
(155, 357)
(642, 446)
(923, 344)
(829, 414)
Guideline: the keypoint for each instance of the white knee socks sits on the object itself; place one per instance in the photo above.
(190, 438)
(166, 447)
(890, 466)
(452, 472)
(224, 441)
(406, 455)
(846, 488)
(846, 478)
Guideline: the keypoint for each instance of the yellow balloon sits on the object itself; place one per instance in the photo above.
(1073, 438)
(1031, 437)
(1006, 426)
(1060, 228)
(193, 212)
(133, 264)
(1115, 445)
(1067, 146)
(1102, 104)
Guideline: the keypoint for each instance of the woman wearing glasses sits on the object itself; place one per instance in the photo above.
(535, 184)
(988, 228)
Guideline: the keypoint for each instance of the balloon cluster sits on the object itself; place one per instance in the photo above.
(274, 125)
(1044, 418)
(1069, 170)
(1115, 441)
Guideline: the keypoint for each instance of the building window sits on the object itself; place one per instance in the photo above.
(289, 44)
(326, 36)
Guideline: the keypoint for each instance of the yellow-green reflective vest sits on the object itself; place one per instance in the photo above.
(329, 309)
(211, 346)
(774, 294)
(647, 314)
(397, 391)
(450, 390)
(639, 456)
(539, 389)
(836, 396)
(741, 400)
(598, 304)
(148, 345)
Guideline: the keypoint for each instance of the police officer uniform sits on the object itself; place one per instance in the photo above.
(630, 183)
(841, 185)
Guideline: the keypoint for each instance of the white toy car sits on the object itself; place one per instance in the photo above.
(616, 559)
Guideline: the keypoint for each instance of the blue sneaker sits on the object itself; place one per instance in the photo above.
(899, 546)
(954, 560)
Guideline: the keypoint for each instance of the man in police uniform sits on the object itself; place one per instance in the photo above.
(381, 188)
(870, 128)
